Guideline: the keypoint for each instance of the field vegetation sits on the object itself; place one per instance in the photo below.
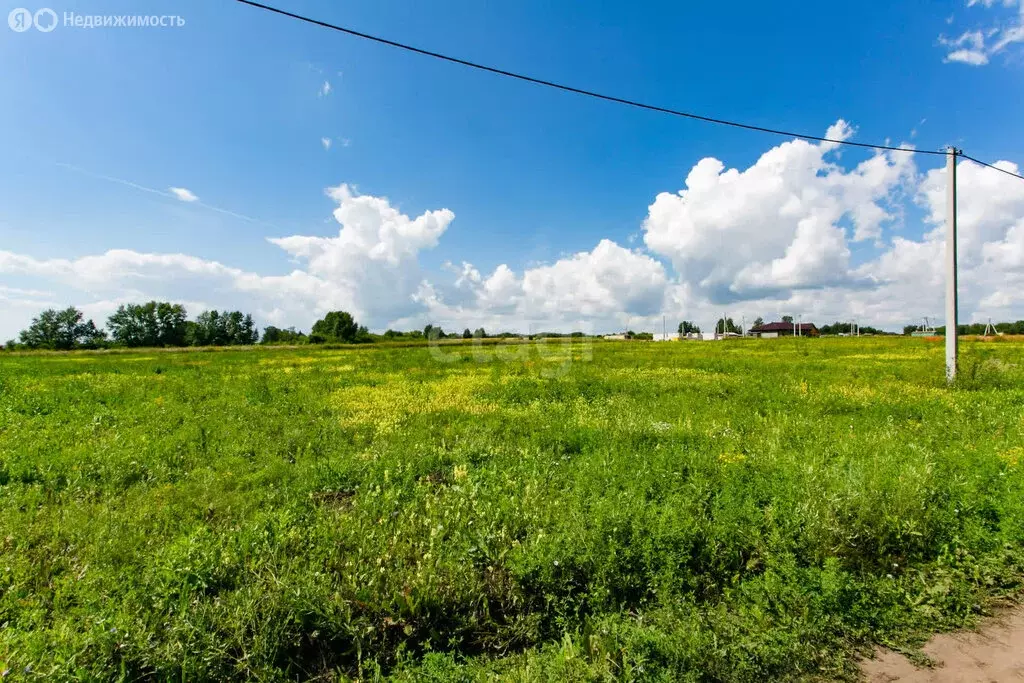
(566, 510)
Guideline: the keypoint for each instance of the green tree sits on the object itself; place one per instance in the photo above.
(787, 319)
(150, 324)
(276, 335)
(758, 321)
(363, 336)
(239, 328)
(61, 330)
(686, 327)
(433, 332)
(466, 334)
(337, 326)
(170, 323)
(730, 326)
(209, 330)
(480, 333)
(223, 328)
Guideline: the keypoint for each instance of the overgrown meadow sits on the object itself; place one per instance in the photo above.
(742, 511)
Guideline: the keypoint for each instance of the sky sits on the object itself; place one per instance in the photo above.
(244, 160)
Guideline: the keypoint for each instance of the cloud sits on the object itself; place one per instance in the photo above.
(795, 232)
(327, 143)
(608, 285)
(325, 89)
(183, 194)
(784, 218)
(179, 193)
(910, 274)
(972, 57)
(369, 268)
(976, 47)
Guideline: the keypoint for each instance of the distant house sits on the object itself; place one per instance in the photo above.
(782, 329)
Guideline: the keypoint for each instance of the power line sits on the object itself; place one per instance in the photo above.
(1001, 170)
(581, 91)
(610, 98)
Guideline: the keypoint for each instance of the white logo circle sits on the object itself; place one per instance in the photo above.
(46, 27)
(20, 19)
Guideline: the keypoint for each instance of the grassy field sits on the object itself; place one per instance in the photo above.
(730, 511)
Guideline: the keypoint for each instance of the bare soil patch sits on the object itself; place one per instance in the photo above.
(994, 653)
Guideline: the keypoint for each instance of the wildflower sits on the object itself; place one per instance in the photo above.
(1013, 456)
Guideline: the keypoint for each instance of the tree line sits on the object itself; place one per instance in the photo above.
(155, 323)
(848, 328)
(166, 324)
(162, 323)
(729, 326)
(977, 329)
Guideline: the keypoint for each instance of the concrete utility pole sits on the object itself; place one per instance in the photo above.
(952, 319)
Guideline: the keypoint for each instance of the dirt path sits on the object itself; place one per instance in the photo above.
(995, 654)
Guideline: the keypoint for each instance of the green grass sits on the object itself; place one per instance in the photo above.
(733, 511)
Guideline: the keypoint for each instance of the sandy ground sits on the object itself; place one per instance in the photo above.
(994, 653)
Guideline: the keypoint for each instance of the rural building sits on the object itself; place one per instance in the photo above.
(783, 329)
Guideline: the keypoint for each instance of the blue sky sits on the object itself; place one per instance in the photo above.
(232, 106)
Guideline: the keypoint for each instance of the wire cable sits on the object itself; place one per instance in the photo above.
(581, 91)
(611, 98)
(1001, 170)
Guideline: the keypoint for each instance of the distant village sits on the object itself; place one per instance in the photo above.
(725, 328)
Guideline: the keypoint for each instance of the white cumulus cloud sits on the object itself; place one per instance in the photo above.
(369, 268)
(604, 288)
(184, 194)
(976, 47)
(796, 232)
(784, 223)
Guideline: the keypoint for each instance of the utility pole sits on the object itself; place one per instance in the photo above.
(952, 319)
